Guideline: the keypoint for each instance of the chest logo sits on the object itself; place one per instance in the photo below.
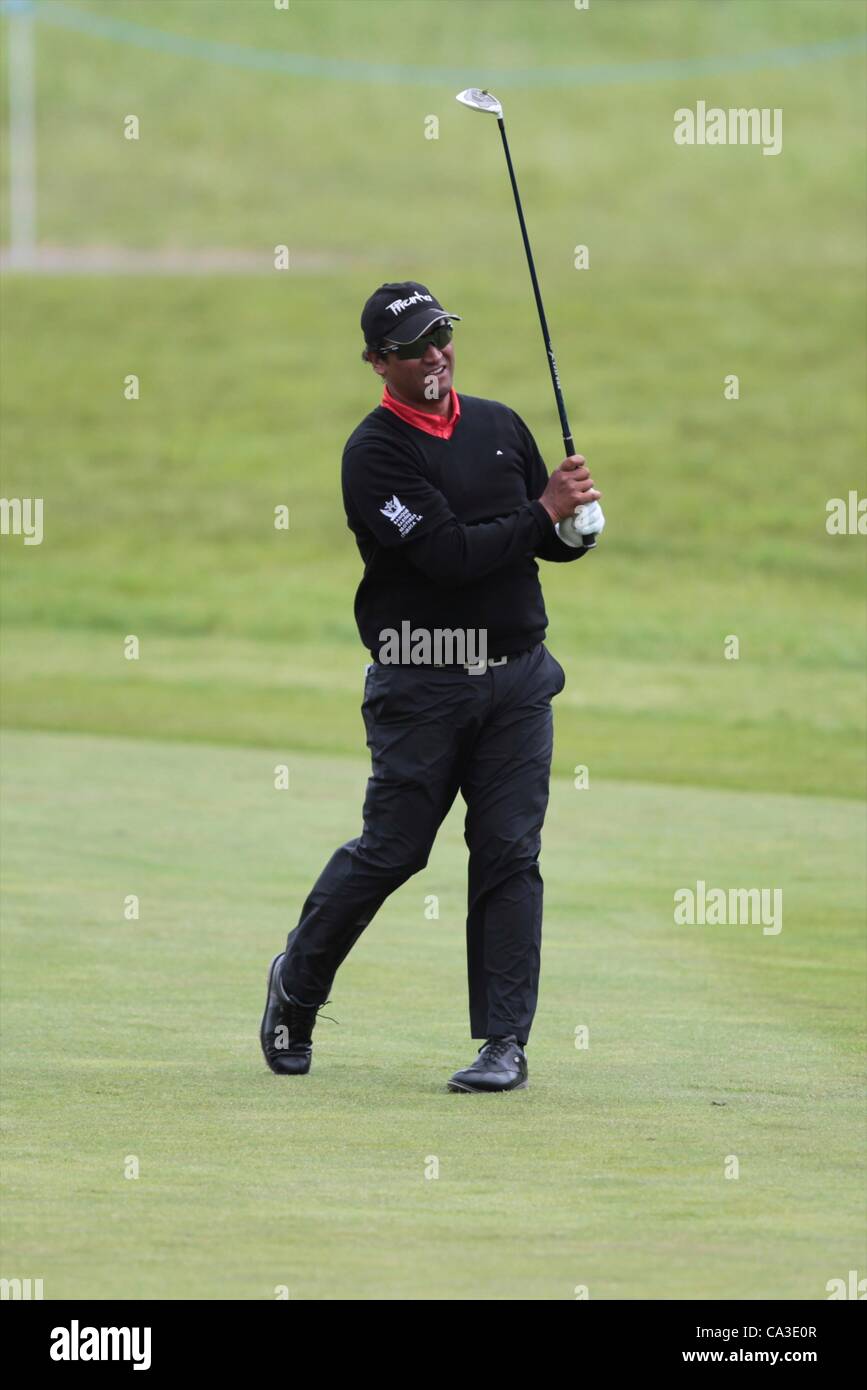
(499, 451)
(403, 518)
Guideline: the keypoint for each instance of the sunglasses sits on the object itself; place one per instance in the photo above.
(403, 351)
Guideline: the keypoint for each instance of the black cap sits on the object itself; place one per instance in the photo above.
(400, 313)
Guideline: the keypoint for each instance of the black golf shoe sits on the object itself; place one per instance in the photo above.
(500, 1066)
(286, 1028)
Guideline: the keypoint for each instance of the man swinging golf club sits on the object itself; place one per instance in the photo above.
(451, 507)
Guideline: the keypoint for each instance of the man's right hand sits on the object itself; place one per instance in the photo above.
(569, 486)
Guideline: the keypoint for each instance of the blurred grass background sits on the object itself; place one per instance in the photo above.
(703, 262)
(159, 522)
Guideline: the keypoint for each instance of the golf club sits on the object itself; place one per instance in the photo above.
(486, 101)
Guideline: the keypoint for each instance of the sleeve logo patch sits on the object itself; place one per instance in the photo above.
(402, 517)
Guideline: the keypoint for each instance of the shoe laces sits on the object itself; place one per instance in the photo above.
(495, 1048)
(299, 1014)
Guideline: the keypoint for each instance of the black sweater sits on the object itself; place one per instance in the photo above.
(448, 528)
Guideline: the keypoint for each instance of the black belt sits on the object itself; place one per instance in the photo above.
(472, 666)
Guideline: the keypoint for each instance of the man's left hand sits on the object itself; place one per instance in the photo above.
(587, 520)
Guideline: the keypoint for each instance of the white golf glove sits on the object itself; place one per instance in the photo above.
(587, 521)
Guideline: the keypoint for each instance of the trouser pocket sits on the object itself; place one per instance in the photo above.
(558, 673)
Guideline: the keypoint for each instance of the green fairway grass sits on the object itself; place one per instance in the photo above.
(155, 776)
(704, 1042)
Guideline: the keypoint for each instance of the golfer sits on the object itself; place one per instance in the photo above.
(451, 507)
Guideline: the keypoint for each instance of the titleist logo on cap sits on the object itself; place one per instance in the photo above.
(398, 305)
(401, 309)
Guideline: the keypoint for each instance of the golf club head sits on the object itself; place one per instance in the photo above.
(480, 100)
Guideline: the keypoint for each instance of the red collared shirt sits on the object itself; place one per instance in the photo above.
(440, 425)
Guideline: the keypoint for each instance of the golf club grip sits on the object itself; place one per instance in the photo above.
(589, 540)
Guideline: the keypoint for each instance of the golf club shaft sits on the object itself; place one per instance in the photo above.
(568, 442)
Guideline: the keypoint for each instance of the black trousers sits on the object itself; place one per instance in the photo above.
(433, 732)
